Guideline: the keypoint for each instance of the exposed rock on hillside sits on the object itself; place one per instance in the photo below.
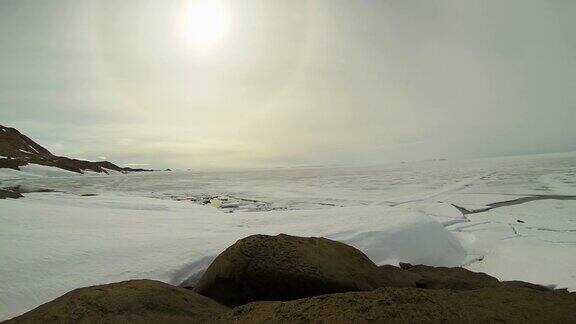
(17, 145)
(19, 150)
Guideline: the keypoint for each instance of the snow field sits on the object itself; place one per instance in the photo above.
(95, 240)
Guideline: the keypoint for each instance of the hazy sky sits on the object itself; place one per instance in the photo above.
(266, 83)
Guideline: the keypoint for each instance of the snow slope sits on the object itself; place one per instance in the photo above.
(34, 170)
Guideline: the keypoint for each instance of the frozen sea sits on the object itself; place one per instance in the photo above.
(512, 217)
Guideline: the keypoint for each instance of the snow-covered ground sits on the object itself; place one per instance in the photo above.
(33, 171)
(170, 225)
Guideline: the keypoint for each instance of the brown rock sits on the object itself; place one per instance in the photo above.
(9, 194)
(284, 267)
(22, 151)
(12, 164)
(413, 305)
(517, 283)
(452, 278)
(135, 301)
(15, 144)
(405, 266)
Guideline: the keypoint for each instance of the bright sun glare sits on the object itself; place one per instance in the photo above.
(205, 22)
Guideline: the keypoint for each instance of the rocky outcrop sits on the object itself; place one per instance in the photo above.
(9, 194)
(461, 279)
(284, 267)
(135, 301)
(452, 278)
(19, 150)
(412, 305)
(517, 283)
(13, 164)
(17, 145)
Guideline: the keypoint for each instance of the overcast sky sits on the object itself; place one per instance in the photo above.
(289, 82)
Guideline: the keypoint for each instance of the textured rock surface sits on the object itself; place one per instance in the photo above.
(284, 267)
(452, 278)
(413, 305)
(135, 301)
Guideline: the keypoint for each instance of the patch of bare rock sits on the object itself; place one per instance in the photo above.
(288, 279)
(413, 305)
(451, 278)
(4, 194)
(16, 192)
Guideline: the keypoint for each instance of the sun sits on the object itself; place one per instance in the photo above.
(205, 23)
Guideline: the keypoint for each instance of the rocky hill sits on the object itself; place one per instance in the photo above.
(17, 150)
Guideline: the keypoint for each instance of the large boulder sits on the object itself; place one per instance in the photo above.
(452, 278)
(284, 267)
(135, 301)
(413, 305)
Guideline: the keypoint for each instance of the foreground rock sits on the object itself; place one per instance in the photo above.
(460, 279)
(413, 305)
(517, 283)
(284, 267)
(452, 278)
(135, 301)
